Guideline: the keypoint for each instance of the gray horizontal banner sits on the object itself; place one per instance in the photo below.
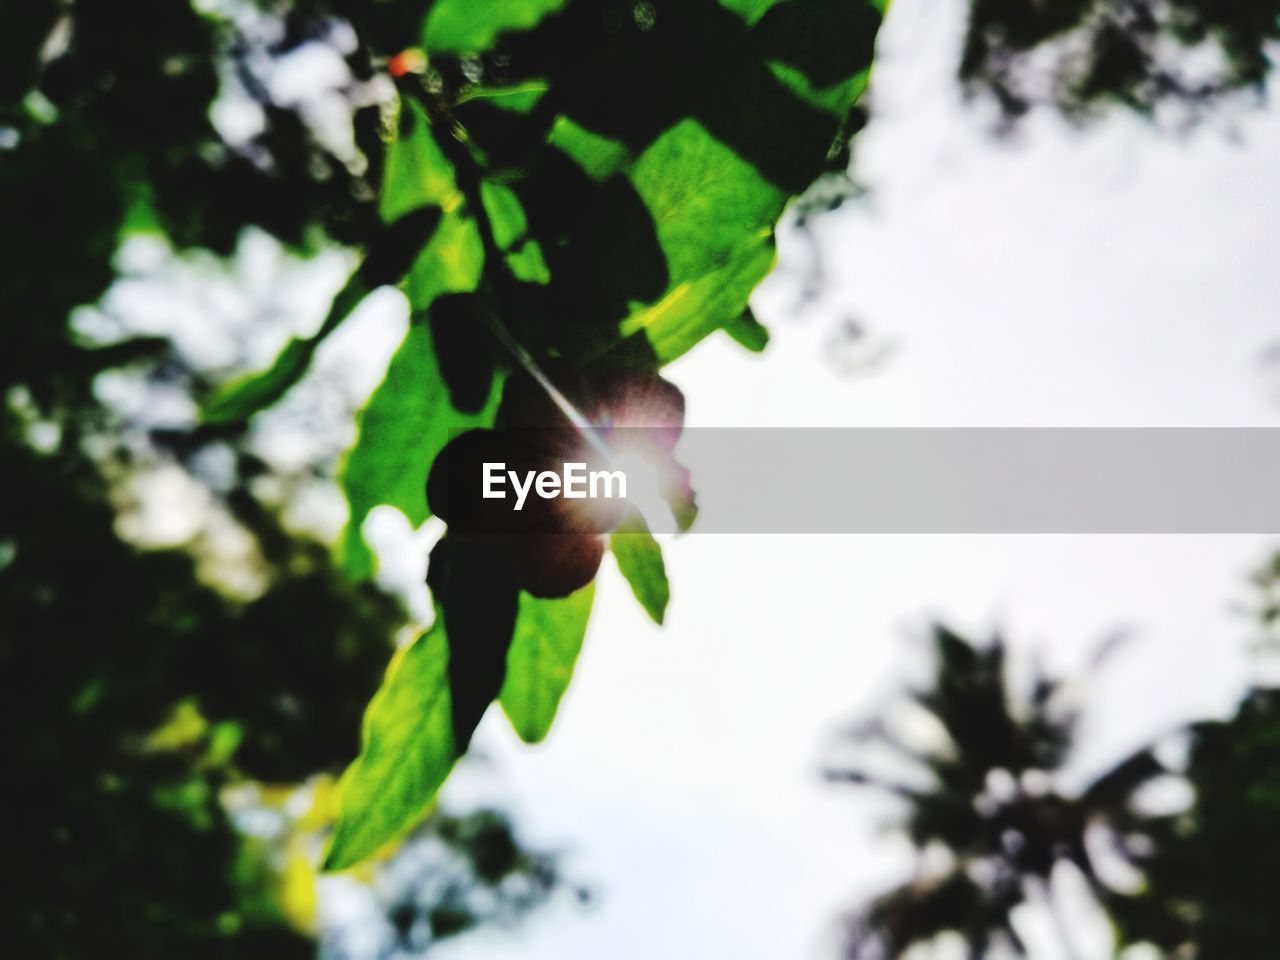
(518, 482)
(982, 480)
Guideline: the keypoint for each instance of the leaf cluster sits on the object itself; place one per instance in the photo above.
(551, 196)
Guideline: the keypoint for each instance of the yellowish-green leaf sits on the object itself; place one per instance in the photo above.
(748, 331)
(450, 263)
(714, 215)
(697, 307)
(640, 561)
(510, 232)
(598, 156)
(544, 649)
(417, 173)
(406, 755)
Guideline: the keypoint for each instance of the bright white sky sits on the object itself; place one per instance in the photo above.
(1117, 278)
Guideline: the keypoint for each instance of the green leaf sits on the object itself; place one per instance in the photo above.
(540, 663)
(598, 156)
(407, 421)
(821, 49)
(406, 755)
(834, 99)
(717, 148)
(511, 233)
(451, 263)
(506, 215)
(639, 558)
(518, 98)
(748, 331)
(750, 10)
(706, 200)
(695, 308)
(417, 174)
(465, 26)
(714, 214)
(410, 417)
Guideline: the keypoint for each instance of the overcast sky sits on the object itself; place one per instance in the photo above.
(1115, 278)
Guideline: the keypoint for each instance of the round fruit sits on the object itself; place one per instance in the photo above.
(555, 565)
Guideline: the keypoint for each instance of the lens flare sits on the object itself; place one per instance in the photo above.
(644, 489)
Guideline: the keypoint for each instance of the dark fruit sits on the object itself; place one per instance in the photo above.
(451, 493)
(555, 565)
(455, 486)
(552, 546)
(642, 401)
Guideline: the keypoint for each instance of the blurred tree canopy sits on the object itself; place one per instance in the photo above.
(1080, 55)
(993, 825)
(557, 188)
(565, 187)
(138, 692)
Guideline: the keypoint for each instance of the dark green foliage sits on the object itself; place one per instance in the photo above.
(133, 691)
(113, 134)
(119, 836)
(589, 184)
(1210, 875)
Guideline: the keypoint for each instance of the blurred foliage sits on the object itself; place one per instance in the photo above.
(593, 184)
(987, 799)
(140, 696)
(1079, 55)
(107, 111)
(991, 823)
(139, 693)
(469, 870)
(1210, 873)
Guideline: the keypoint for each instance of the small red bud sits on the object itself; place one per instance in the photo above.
(411, 60)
